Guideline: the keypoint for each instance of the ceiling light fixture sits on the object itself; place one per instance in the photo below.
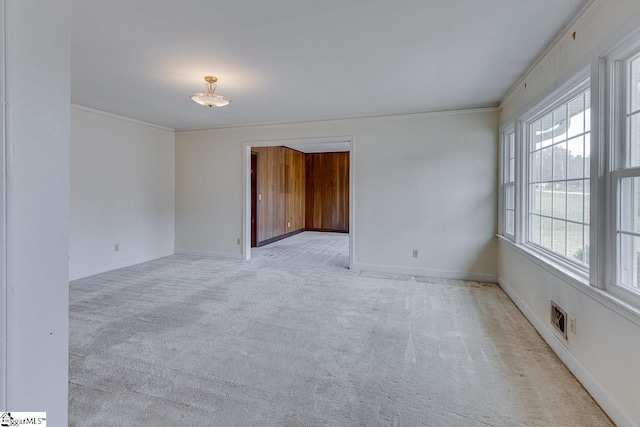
(210, 99)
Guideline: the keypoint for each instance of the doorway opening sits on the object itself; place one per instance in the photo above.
(284, 177)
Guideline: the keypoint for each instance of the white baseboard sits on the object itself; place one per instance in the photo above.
(209, 254)
(443, 274)
(115, 265)
(608, 403)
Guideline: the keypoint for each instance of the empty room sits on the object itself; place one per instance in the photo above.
(340, 213)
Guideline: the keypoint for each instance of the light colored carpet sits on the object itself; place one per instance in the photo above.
(294, 338)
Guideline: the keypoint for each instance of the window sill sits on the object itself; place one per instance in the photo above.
(578, 281)
(558, 268)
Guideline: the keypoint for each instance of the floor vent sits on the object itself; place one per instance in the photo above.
(559, 319)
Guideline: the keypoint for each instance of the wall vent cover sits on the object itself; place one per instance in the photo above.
(559, 319)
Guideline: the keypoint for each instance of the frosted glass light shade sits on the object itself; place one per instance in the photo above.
(210, 100)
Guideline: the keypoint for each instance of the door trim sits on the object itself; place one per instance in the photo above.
(254, 202)
(246, 176)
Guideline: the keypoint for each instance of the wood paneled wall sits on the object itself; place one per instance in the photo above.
(301, 191)
(327, 191)
(296, 191)
(281, 185)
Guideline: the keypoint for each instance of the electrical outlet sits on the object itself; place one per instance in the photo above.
(288, 224)
(572, 324)
(116, 247)
(238, 241)
(415, 253)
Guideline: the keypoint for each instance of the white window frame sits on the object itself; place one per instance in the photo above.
(617, 168)
(505, 133)
(573, 87)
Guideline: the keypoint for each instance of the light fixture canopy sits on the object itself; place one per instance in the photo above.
(210, 99)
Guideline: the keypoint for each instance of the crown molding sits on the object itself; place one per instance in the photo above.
(288, 122)
(352, 117)
(119, 117)
(582, 16)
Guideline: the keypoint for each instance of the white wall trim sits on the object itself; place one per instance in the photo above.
(284, 142)
(425, 272)
(210, 254)
(119, 117)
(352, 203)
(353, 117)
(116, 265)
(582, 16)
(246, 201)
(607, 402)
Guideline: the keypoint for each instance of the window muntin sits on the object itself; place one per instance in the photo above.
(629, 232)
(558, 182)
(628, 179)
(509, 183)
(632, 89)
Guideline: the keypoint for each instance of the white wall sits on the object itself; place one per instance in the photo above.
(604, 352)
(36, 155)
(425, 181)
(122, 191)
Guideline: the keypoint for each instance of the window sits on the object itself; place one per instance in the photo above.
(546, 207)
(508, 182)
(558, 187)
(626, 175)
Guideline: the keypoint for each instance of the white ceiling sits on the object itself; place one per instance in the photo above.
(293, 60)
